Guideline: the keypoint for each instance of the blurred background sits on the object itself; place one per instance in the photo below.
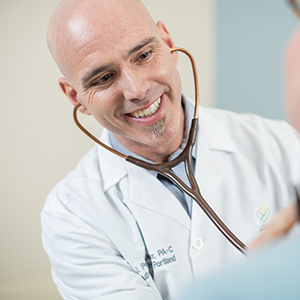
(238, 46)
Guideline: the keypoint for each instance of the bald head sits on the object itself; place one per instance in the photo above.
(75, 23)
(292, 78)
(118, 62)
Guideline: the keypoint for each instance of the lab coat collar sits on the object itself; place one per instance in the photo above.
(162, 200)
(112, 167)
(212, 137)
(188, 111)
(212, 132)
(151, 194)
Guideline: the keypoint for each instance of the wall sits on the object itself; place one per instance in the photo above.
(250, 42)
(39, 141)
(191, 25)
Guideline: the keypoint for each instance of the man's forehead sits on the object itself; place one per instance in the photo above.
(88, 24)
(111, 39)
(107, 35)
(106, 15)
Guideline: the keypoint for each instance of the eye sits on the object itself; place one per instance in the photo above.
(144, 56)
(104, 80)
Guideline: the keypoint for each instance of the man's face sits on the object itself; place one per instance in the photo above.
(127, 79)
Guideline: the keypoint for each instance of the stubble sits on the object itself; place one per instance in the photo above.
(158, 127)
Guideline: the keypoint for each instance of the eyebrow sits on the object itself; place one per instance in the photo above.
(86, 79)
(142, 44)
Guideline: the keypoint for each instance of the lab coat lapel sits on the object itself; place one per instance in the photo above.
(209, 174)
(146, 191)
(111, 166)
(212, 139)
(210, 171)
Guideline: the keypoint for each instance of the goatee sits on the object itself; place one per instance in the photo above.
(158, 127)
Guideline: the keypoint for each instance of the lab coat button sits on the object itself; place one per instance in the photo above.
(198, 243)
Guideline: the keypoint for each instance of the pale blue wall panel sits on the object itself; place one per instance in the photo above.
(250, 41)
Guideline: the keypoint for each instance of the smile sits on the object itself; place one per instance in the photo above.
(151, 110)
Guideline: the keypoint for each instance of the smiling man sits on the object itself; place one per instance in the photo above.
(113, 230)
(123, 75)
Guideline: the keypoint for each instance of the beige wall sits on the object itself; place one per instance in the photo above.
(39, 141)
(190, 24)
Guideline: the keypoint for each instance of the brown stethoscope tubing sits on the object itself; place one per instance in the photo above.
(186, 157)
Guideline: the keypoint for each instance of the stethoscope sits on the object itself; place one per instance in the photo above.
(165, 170)
(185, 157)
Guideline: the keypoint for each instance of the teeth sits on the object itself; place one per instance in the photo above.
(148, 111)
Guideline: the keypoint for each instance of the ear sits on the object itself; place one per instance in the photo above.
(165, 35)
(71, 93)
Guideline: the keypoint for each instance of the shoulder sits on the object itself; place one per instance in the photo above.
(71, 193)
(87, 170)
(80, 191)
(273, 143)
(231, 118)
(251, 126)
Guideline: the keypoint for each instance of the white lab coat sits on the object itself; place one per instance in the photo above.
(247, 168)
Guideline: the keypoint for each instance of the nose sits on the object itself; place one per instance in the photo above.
(134, 84)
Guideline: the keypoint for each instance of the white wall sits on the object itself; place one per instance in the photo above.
(39, 141)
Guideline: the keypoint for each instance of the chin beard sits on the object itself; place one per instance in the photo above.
(158, 127)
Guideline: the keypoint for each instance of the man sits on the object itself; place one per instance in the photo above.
(113, 230)
(292, 79)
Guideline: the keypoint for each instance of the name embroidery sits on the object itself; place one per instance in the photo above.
(160, 258)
